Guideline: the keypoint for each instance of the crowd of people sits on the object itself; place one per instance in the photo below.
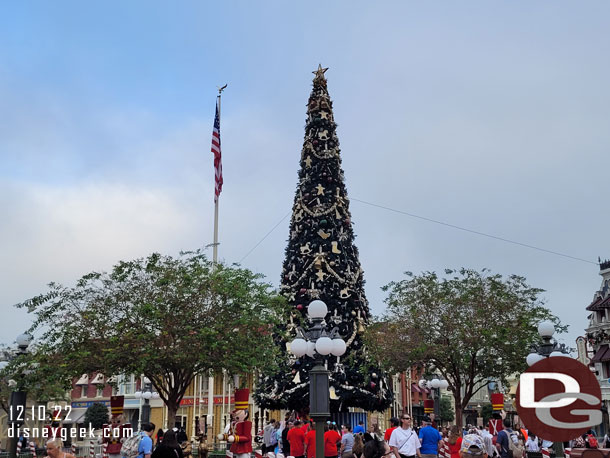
(294, 438)
(297, 438)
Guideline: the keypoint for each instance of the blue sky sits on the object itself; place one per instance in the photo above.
(488, 115)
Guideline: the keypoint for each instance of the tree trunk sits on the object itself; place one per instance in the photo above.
(457, 398)
(172, 408)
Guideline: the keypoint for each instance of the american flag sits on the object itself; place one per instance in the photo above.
(217, 155)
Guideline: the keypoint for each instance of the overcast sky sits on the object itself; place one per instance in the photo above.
(488, 115)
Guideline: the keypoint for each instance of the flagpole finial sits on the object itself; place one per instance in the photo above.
(220, 89)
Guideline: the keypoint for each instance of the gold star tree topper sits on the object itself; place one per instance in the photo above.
(319, 72)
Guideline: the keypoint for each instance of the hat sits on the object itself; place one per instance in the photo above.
(116, 405)
(242, 396)
(497, 401)
(426, 419)
(429, 406)
(473, 445)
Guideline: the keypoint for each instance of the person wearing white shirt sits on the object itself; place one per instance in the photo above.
(532, 443)
(404, 442)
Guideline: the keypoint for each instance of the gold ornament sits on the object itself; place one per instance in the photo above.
(323, 135)
(320, 275)
(293, 272)
(323, 234)
(320, 189)
(334, 249)
(344, 293)
(298, 216)
(297, 378)
(333, 393)
(323, 115)
(306, 249)
(308, 162)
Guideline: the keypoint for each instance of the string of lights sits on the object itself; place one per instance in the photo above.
(442, 223)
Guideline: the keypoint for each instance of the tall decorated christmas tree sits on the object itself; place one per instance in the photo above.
(322, 263)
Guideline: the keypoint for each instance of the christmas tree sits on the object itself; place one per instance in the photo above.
(322, 263)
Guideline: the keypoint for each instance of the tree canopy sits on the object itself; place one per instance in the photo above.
(167, 318)
(470, 327)
(97, 415)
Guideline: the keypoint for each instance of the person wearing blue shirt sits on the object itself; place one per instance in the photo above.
(430, 439)
(146, 445)
(360, 428)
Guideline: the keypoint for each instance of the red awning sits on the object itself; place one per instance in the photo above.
(601, 355)
(415, 387)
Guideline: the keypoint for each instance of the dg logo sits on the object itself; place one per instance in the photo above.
(558, 399)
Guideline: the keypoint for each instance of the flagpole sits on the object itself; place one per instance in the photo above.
(210, 414)
(215, 252)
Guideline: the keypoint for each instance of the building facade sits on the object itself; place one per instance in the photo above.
(596, 344)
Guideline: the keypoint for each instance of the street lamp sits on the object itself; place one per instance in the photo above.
(549, 348)
(436, 384)
(317, 343)
(17, 401)
(147, 394)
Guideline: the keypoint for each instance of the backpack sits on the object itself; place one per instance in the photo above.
(131, 445)
(592, 441)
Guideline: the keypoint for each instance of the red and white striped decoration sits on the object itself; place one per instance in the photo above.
(229, 454)
(445, 452)
(91, 450)
(258, 453)
(18, 448)
(73, 449)
(33, 449)
(545, 452)
(105, 449)
(567, 452)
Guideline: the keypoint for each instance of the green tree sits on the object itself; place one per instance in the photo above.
(45, 387)
(486, 412)
(469, 327)
(167, 318)
(96, 415)
(445, 410)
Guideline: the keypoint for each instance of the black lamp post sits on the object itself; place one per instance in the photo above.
(17, 401)
(317, 343)
(436, 384)
(147, 394)
(548, 348)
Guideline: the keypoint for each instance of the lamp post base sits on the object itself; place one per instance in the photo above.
(319, 421)
(11, 447)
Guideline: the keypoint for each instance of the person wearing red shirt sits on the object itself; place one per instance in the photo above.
(296, 437)
(310, 443)
(455, 442)
(395, 422)
(331, 438)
